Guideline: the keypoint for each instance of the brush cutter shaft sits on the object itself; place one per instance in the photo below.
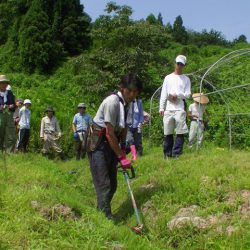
(132, 198)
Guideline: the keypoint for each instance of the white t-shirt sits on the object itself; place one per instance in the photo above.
(178, 85)
(24, 115)
(197, 110)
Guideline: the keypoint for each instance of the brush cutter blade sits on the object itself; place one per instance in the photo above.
(137, 229)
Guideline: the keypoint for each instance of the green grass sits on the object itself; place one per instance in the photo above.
(204, 179)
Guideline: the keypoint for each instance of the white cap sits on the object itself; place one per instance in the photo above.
(181, 59)
(27, 101)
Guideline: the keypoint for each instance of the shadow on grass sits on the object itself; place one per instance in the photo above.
(142, 195)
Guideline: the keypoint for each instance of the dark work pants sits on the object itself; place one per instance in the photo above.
(23, 139)
(133, 137)
(103, 167)
(173, 149)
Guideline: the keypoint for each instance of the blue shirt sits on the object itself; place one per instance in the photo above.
(138, 116)
(82, 122)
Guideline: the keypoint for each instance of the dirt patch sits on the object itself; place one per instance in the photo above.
(57, 211)
(117, 247)
(230, 230)
(147, 187)
(188, 216)
(242, 197)
(184, 221)
(187, 211)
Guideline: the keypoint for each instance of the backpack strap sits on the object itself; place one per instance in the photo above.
(121, 101)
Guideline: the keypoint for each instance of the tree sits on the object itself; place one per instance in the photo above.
(151, 19)
(179, 31)
(122, 45)
(74, 26)
(169, 28)
(160, 19)
(35, 39)
(241, 39)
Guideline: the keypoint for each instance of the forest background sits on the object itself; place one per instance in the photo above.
(57, 56)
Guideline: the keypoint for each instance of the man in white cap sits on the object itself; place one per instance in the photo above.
(196, 111)
(7, 108)
(81, 123)
(176, 88)
(24, 125)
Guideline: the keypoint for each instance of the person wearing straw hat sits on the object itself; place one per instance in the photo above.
(24, 125)
(175, 89)
(7, 124)
(195, 113)
(81, 123)
(50, 133)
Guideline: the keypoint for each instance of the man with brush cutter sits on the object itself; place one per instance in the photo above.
(107, 139)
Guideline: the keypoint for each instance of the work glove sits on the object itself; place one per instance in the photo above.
(75, 135)
(11, 106)
(125, 163)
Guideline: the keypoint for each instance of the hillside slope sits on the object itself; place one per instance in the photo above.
(43, 205)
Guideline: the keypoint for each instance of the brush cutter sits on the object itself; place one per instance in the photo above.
(137, 229)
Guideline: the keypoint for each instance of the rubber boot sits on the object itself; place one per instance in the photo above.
(62, 156)
(46, 155)
(133, 152)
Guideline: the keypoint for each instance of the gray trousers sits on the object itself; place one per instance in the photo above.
(103, 167)
(7, 132)
(196, 132)
(80, 145)
(135, 138)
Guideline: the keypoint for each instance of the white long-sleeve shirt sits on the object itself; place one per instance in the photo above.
(24, 115)
(178, 85)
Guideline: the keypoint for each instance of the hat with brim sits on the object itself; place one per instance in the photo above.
(27, 101)
(82, 106)
(20, 100)
(50, 109)
(181, 59)
(4, 79)
(200, 98)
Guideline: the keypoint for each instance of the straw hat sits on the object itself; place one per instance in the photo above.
(50, 109)
(200, 98)
(4, 79)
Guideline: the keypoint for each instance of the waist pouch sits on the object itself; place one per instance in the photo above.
(95, 137)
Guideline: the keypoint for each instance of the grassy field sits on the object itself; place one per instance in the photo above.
(199, 201)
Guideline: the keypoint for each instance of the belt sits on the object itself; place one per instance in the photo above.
(49, 133)
(194, 120)
(79, 131)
